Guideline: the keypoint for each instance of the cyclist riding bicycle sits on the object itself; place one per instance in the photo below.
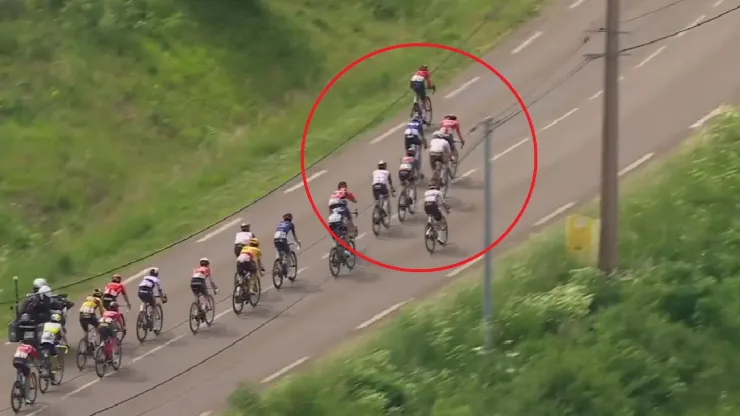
(381, 181)
(52, 333)
(439, 149)
(414, 133)
(88, 309)
(242, 238)
(339, 200)
(283, 229)
(25, 355)
(433, 199)
(450, 125)
(250, 259)
(111, 323)
(113, 289)
(147, 286)
(420, 81)
(201, 276)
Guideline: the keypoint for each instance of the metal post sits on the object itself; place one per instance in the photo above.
(17, 297)
(609, 148)
(488, 237)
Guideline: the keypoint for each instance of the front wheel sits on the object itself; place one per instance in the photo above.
(292, 266)
(427, 114)
(210, 310)
(158, 319)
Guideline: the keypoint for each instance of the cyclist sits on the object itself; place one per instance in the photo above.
(113, 289)
(25, 355)
(433, 199)
(250, 259)
(242, 238)
(52, 333)
(147, 286)
(381, 180)
(407, 170)
(200, 275)
(339, 199)
(285, 227)
(89, 307)
(439, 149)
(420, 81)
(448, 126)
(111, 322)
(414, 133)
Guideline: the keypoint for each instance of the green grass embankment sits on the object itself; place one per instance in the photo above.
(661, 339)
(126, 124)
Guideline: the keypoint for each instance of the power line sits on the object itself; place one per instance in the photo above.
(659, 9)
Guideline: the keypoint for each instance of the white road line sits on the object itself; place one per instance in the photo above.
(559, 119)
(382, 315)
(634, 165)
(717, 111)
(285, 369)
(651, 56)
(386, 134)
(206, 413)
(153, 350)
(526, 43)
(514, 146)
(464, 175)
(219, 230)
(360, 236)
(718, 3)
(464, 267)
(309, 179)
(596, 95)
(554, 214)
(462, 87)
(136, 276)
(576, 4)
(699, 19)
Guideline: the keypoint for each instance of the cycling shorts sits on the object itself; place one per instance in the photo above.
(432, 209)
(198, 286)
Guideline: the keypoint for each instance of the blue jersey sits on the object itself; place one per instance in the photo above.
(414, 128)
(283, 229)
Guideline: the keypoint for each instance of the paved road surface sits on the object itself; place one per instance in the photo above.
(666, 88)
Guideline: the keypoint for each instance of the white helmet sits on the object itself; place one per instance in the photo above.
(44, 291)
(39, 282)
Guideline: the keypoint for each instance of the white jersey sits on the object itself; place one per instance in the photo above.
(439, 146)
(433, 195)
(412, 130)
(381, 176)
(335, 217)
(52, 330)
(243, 237)
(149, 282)
(417, 78)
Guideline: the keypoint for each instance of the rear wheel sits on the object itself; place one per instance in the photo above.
(58, 373)
(82, 353)
(255, 291)
(428, 110)
(376, 219)
(402, 202)
(16, 396)
(141, 329)
(45, 373)
(335, 263)
(194, 316)
(101, 365)
(430, 237)
(237, 299)
(277, 273)
(117, 357)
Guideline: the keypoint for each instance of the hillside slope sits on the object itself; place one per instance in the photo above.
(127, 123)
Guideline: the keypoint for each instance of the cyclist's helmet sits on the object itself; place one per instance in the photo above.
(254, 242)
(433, 185)
(113, 306)
(438, 135)
(204, 262)
(423, 68)
(416, 117)
(116, 278)
(450, 117)
(410, 151)
(154, 271)
(382, 165)
(97, 293)
(44, 291)
(341, 185)
(288, 217)
(244, 226)
(38, 282)
(55, 317)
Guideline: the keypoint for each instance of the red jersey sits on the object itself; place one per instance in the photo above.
(114, 289)
(342, 194)
(112, 316)
(202, 271)
(24, 351)
(426, 75)
(448, 126)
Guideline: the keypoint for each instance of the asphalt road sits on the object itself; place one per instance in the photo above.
(667, 88)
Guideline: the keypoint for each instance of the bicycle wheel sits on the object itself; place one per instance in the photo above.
(211, 310)
(452, 170)
(335, 264)
(376, 220)
(158, 319)
(387, 217)
(45, 373)
(292, 265)
(141, 329)
(277, 273)
(445, 181)
(82, 353)
(430, 237)
(16, 396)
(101, 364)
(427, 113)
(58, 374)
(237, 299)
(443, 227)
(402, 202)
(117, 358)
(194, 316)
(255, 292)
(351, 260)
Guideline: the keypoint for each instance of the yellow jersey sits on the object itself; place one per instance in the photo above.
(253, 252)
(90, 305)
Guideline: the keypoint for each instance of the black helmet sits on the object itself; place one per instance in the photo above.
(244, 226)
(154, 272)
(288, 217)
(382, 164)
(342, 184)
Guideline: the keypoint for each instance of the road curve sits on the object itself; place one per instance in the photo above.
(666, 88)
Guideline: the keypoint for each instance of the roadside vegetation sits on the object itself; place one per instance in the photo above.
(127, 124)
(661, 338)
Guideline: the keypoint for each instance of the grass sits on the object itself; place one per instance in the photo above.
(127, 124)
(661, 338)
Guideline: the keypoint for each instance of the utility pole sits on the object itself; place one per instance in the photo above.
(488, 236)
(610, 144)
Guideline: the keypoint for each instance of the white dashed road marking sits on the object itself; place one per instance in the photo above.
(526, 43)
(576, 4)
(717, 111)
(634, 165)
(219, 230)
(386, 134)
(309, 179)
(695, 22)
(382, 314)
(559, 119)
(462, 87)
(651, 56)
(285, 369)
(554, 214)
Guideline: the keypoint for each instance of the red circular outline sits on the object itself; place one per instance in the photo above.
(423, 45)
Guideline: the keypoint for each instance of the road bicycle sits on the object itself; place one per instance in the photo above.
(424, 111)
(18, 391)
(340, 256)
(432, 231)
(381, 214)
(200, 309)
(407, 198)
(284, 264)
(247, 289)
(108, 353)
(51, 372)
(86, 348)
(150, 319)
